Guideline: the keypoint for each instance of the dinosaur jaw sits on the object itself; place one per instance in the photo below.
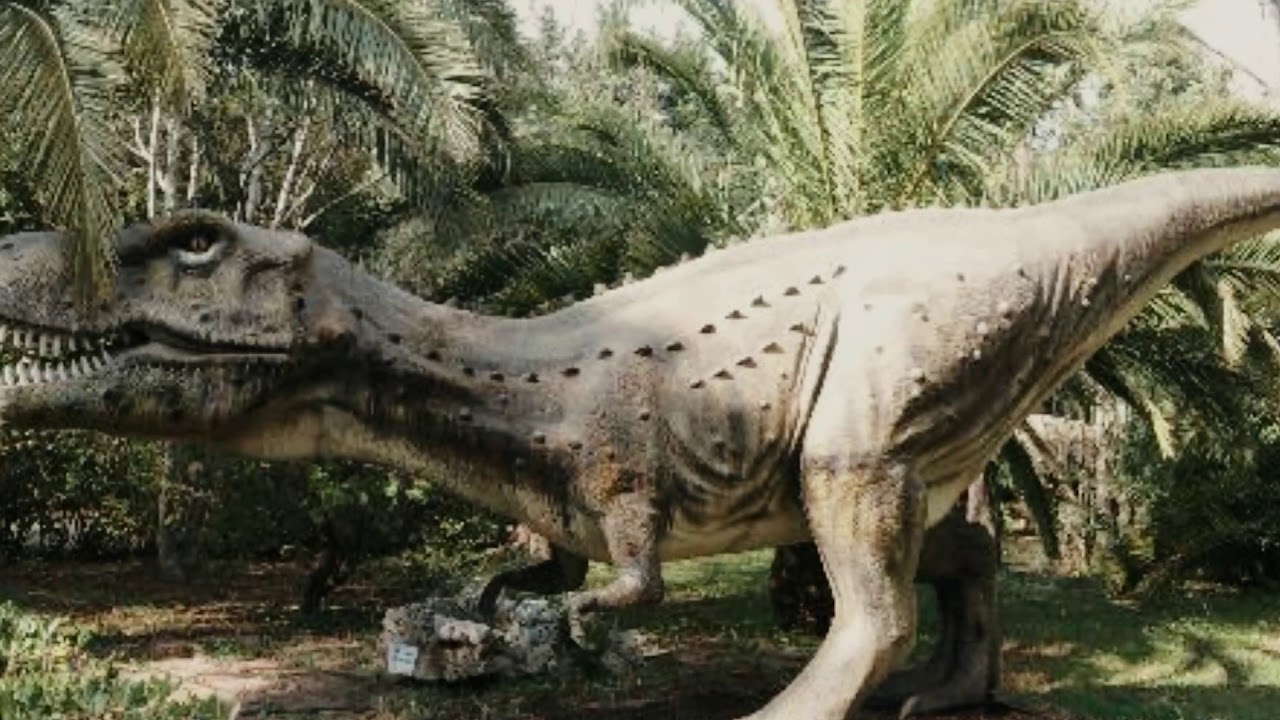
(135, 379)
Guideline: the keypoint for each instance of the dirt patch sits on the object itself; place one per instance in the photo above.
(262, 687)
(235, 634)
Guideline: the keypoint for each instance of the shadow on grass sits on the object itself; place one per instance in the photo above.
(245, 610)
(1161, 702)
(1207, 654)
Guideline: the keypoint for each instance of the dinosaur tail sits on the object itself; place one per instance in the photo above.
(1152, 229)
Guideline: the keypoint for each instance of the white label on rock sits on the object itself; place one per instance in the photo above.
(402, 659)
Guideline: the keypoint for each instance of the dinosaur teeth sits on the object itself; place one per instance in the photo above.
(53, 344)
(29, 372)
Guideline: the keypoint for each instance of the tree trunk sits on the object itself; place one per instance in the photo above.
(152, 151)
(330, 570)
(291, 173)
(183, 511)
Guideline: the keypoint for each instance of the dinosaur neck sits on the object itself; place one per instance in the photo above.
(462, 397)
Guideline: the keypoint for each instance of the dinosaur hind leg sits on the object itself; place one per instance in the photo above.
(562, 572)
(867, 519)
(959, 559)
(631, 530)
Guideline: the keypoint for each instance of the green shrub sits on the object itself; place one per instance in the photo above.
(45, 674)
(1214, 509)
(90, 496)
(76, 494)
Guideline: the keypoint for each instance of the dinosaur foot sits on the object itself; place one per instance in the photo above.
(965, 667)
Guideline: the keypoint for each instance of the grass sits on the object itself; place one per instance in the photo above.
(1070, 652)
(1209, 654)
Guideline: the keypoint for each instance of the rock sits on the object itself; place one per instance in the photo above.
(444, 639)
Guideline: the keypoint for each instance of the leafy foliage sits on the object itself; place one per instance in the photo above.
(76, 494)
(45, 672)
(55, 76)
(64, 62)
(91, 496)
(1225, 529)
(857, 107)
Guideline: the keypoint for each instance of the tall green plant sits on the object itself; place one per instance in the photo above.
(56, 78)
(64, 61)
(855, 107)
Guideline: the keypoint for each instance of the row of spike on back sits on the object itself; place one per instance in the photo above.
(597, 290)
(674, 346)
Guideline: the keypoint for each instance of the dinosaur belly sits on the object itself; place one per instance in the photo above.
(689, 539)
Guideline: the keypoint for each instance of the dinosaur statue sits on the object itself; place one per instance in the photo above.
(843, 385)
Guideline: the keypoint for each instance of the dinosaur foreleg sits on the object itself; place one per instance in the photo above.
(562, 572)
(959, 559)
(630, 529)
(867, 519)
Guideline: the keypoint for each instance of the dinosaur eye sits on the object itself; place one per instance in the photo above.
(197, 246)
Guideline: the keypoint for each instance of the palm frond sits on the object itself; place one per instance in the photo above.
(166, 42)
(1173, 372)
(1029, 486)
(420, 64)
(778, 106)
(1126, 144)
(684, 66)
(986, 84)
(56, 75)
(1108, 373)
(491, 29)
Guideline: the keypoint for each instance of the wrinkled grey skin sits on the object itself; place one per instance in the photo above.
(843, 385)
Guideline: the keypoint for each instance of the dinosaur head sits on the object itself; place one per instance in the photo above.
(211, 324)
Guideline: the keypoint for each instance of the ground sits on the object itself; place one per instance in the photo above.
(1070, 653)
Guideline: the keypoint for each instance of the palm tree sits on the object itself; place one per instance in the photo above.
(853, 107)
(598, 186)
(413, 64)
